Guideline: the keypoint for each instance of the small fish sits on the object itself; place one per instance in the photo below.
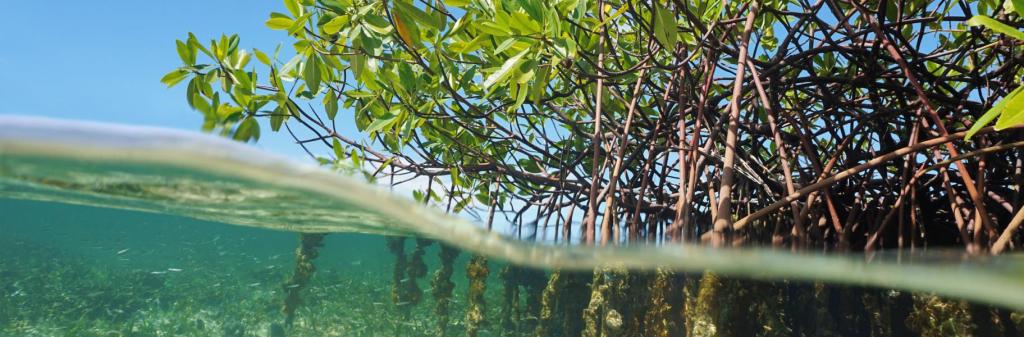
(123, 251)
(161, 272)
(174, 269)
(254, 284)
(292, 286)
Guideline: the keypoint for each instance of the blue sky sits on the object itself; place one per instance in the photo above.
(102, 60)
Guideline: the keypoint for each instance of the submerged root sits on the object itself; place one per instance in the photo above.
(510, 299)
(572, 301)
(548, 302)
(934, 316)
(477, 272)
(721, 309)
(399, 283)
(517, 316)
(592, 314)
(601, 316)
(663, 317)
(415, 269)
(309, 245)
(443, 286)
(533, 281)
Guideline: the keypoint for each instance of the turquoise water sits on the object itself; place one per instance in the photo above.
(122, 231)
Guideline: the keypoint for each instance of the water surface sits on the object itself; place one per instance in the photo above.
(114, 230)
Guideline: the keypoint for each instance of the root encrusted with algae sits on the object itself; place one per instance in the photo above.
(934, 316)
(477, 272)
(401, 286)
(519, 316)
(443, 286)
(309, 245)
(416, 269)
(602, 316)
(548, 302)
(510, 298)
(663, 317)
(533, 281)
(573, 299)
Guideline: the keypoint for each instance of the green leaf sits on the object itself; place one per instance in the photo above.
(408, 10)
(457, 3)
(505, 71)
(174, 77)
(377, 24)
(277, 119)
(504, 45)
(406, 29)
(455, 176)
(262, 57)
(248, 129)
(191, 91)
(359, 94)
(380, 123)
(992, 113)
(280, 23)
(242, 79)
(339, 152)
(539, 84)
(294, 7)
(524, 23)
(299, 23)
(1018, 6)
(201, 104)
(331, 104)
(333, 26)
(665, 27)
(311, 73)
(356, 160)
(520, 97)
(242, 59)
(215, 104)
(614, 15)
(529, 165)
(493, 28)
(193, 43)
(1013, 113)
(999, 27)
(187, 55)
